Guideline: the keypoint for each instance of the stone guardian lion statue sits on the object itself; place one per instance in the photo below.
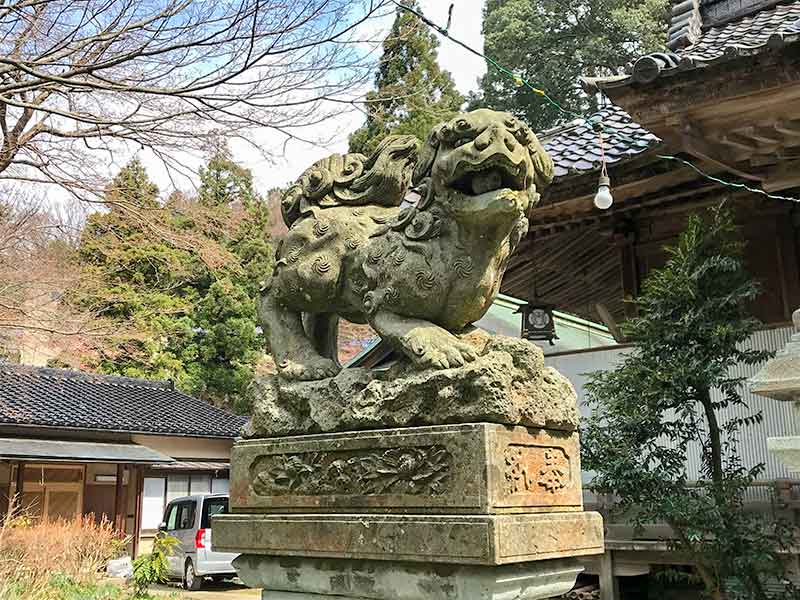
(418, 274)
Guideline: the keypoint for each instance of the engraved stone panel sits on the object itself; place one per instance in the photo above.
(478, 468)
(414, 470)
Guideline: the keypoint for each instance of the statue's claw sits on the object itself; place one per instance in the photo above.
(308, 368)
(438, 349)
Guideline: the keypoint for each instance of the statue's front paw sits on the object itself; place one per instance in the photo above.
(307, 370)
(440, 351)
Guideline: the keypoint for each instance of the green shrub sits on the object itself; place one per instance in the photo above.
(153, 568)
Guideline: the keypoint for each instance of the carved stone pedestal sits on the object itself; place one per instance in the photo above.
(315, 579)
(457, 512)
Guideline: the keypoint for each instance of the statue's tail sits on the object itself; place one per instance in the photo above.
(354, 180)
(323, 330)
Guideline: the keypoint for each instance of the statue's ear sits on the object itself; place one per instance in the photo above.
(543, 167)
(427, 154)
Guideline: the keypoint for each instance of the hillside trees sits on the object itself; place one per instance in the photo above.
(37, 243)
(183, 311)
(412, 92)
(552, 43)
(673, 392)
(84, 81)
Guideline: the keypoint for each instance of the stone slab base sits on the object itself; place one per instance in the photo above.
(336, 579)
(458, 539)
(478, 468)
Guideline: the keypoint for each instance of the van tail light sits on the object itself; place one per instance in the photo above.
(199, 539)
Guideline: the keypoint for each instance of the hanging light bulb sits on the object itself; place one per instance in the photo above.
(603, 198)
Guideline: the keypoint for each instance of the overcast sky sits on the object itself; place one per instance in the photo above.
(464, 66)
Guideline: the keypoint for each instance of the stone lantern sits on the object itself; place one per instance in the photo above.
(779, 379)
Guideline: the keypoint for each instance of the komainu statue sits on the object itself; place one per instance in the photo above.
(418, 273)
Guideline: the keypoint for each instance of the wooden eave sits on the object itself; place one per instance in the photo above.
(741, 115)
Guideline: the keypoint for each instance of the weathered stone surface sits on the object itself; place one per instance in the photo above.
(318, 579)
(779, 378)
(416, 273)
(507, 384)
(479, 468)
(787, 449)
(477, 540)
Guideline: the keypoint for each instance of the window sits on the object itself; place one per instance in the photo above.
(153, 501)
(200, 484)
(211, 507)
(186, 515)
(177, 486)
(172, 517)
(219, 485)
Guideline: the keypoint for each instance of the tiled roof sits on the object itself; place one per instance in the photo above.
(768, 28)
(575, 148)
(685, 22)
(60, 398)
(749, 33)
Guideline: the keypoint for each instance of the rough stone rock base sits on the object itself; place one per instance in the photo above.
(338, 579)
(507, 383)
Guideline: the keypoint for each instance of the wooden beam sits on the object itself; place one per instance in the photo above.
(765, 138)
(714, 155)
(609, 321)
(789, 129)
(623, 194)
(785, 175)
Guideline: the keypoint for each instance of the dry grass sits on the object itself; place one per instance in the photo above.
(39, 560)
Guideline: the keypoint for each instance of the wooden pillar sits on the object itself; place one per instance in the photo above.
(19, 484)
(119, 500)
(137, 518)
(628, 270)
(609, 587)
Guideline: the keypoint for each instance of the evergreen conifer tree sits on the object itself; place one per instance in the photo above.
(674, 393)
(178, 315)
(412, 92)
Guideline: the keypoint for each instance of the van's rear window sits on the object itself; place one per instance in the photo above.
(211, 507)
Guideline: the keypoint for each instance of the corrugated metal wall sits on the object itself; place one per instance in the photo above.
(779, 418)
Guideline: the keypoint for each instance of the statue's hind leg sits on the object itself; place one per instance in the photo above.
(294, 353)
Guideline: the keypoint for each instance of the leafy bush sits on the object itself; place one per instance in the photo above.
(153, 568)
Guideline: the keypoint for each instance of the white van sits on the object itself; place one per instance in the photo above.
(189, 520)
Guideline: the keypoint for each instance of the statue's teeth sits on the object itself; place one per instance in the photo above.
(486, 181)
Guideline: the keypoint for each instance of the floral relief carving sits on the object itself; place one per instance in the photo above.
(410, 471)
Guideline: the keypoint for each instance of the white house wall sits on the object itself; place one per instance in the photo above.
(779, 419)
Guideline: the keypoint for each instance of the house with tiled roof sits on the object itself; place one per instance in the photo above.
(119, 448)
(717, 112)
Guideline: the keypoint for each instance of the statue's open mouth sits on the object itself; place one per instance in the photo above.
(475, 180)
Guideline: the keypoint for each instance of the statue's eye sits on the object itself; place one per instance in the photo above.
(462, 124)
